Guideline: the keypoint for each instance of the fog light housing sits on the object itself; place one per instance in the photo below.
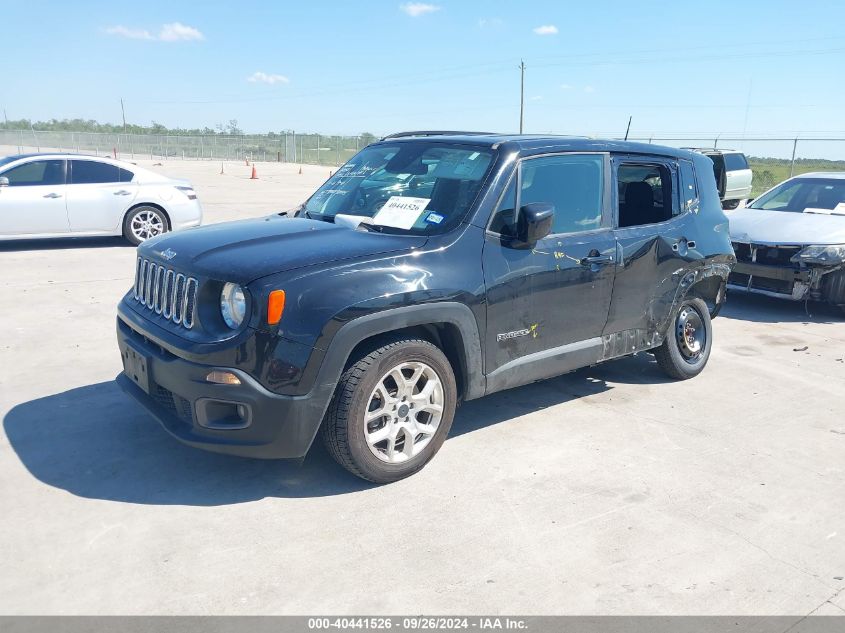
(220, 377)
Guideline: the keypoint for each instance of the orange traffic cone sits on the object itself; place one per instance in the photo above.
(254, 174)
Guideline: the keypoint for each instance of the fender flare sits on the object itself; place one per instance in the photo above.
(689, 280)
(382, 322)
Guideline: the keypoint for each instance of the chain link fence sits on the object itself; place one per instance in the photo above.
(313, 149)
(772, 159)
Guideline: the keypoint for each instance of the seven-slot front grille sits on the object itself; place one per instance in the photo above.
(166, 292)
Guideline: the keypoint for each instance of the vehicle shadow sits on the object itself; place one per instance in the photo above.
(762, 309)
(63, 243)
(95, 442)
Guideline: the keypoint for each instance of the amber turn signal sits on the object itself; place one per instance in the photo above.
(275, 307)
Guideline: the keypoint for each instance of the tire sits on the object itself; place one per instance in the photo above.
(397, 443)
(144, 222)
(689, 340)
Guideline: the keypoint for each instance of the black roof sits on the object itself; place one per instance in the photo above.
(538, 143)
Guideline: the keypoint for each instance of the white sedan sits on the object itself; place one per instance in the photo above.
(61, 195)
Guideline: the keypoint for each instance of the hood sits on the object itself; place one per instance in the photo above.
(782, 228)
(249, 249)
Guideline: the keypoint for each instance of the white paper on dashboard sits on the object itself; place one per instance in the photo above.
(401, 212)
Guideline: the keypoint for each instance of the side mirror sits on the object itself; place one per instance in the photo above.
(534, 223)
(4, 182)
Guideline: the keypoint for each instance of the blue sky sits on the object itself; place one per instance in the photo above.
(384, 65)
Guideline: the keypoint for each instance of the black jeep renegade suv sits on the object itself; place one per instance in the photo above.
(431, 268)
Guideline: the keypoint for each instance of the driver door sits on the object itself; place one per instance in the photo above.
(547, 305)
(33, 203)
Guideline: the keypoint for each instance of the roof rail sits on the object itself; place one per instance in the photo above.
(434, 133)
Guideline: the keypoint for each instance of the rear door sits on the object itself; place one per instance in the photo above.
(656, 244)
(737, 177)
(547, 306)
(98, 195)
(34, 201)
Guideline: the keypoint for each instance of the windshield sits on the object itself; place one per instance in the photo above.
(413, 186)
(5, 160)
(805, 194)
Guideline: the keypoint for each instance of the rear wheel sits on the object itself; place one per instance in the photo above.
(391, 411)
(144, 222)
(686, 349)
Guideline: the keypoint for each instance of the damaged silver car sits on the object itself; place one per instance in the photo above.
(790, 242)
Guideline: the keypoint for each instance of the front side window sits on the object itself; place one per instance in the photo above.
(804, 193)
(87, 172)
(572, 183)
(645, 193)
(37, 173)
(445, 179)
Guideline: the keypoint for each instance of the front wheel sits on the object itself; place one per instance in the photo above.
(144, 222)
(688, 342)
(391, 411)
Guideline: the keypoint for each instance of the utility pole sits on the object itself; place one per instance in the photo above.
(521, 93)
(629, 126)
(123, 112)
(5, 118)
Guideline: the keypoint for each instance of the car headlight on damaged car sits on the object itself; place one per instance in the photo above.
(828, 255)
(233, 305)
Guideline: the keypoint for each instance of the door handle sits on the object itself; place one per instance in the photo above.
(591, 260)
(122, 192)
(53, 195)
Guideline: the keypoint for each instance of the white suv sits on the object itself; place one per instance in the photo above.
(733, 176)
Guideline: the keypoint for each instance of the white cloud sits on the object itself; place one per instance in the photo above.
(416, 9)
(589, 89)
(132, 34)
(565, 87)
(264, 78)
(490, 23)
(176, 31)
(546, 29)
(172, 32)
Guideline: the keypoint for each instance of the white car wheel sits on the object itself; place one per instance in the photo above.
(144, 222)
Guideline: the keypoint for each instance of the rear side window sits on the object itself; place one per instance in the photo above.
(37, 172)
(86, 172)
(645, 193)
(734, 162)
(689, 187)
(572, 183)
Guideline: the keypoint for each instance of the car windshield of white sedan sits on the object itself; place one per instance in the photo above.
(805, 195)
(413, 186)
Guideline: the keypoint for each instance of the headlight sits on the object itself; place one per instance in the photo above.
(825, 255)
(233, 305)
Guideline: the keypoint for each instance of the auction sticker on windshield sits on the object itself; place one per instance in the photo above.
(401, 212)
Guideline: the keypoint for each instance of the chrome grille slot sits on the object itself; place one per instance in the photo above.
(164, 291)
(150, 289)
(159, 291)
(167, 309)
(178, 298)
(190, 303)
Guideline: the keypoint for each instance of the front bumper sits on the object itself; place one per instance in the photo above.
(245, 419)
(786, 282)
